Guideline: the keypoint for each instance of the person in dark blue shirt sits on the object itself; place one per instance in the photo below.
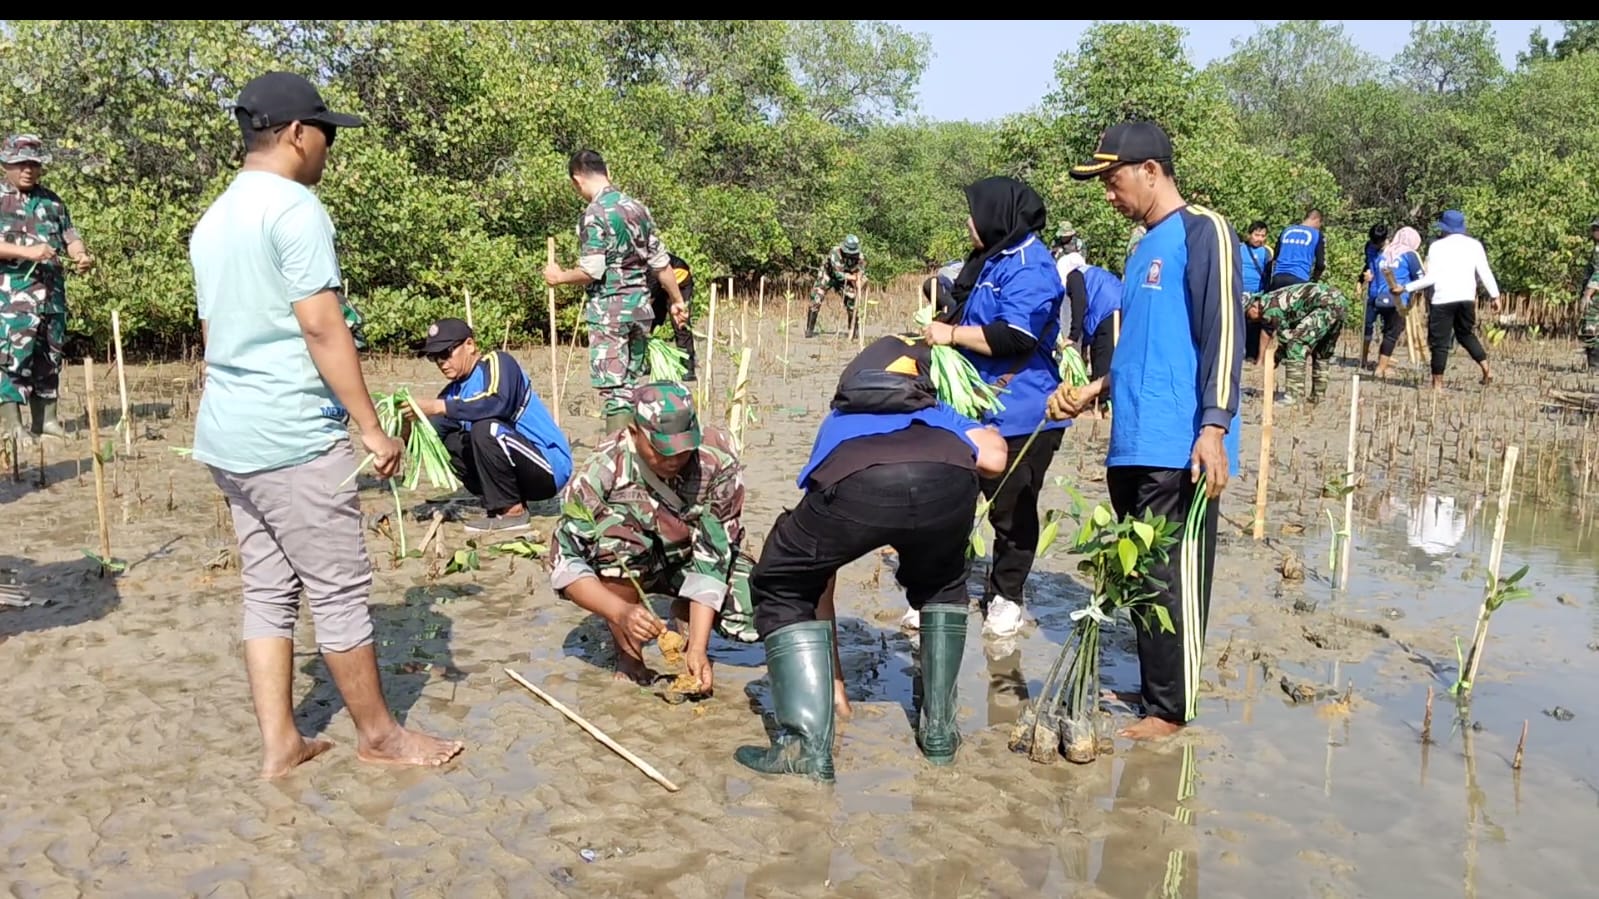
(1005, 321)
(1174, 387)
(891, 466)
(1256, 270)
(502, 442)
(1301, 253)
(1376, 240)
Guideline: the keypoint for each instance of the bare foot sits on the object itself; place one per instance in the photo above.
(277, 764)
(1150, 728)
(841, 707)
(408, 747)
(631, 670)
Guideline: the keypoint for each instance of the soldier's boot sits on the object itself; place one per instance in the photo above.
(11, 427)
(1293, 381)
(810, 322)
(943, 630)
(44, 418)
(1318, 380)
(799, 664)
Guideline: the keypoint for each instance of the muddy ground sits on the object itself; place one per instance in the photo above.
(132, 750)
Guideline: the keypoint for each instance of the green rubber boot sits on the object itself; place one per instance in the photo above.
(11, 427)
(943, 643)
(799, 662)
(44, 418)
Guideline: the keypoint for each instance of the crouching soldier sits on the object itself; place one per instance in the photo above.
(658, 508)
(893, 466)
(1306, 320)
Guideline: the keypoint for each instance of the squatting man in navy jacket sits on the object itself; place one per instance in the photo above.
(503, 444)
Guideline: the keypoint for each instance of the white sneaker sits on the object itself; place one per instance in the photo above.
(912, 621)
(1004, 618)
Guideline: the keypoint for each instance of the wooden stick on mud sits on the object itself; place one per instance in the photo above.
(124, 423)
(1426, 719)
(596, 733)
(93, 409)
(555, 385)
(1521, 747)
(1349, 483)
(1268, 362)
(1495, 555)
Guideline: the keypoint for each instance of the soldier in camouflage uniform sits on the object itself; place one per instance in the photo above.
(1306, 319)
(35, 232)
(658, 508)
(618, 244)
(844, 270)
(1590, 302)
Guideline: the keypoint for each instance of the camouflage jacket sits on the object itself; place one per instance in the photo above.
(618, 245)
(1286, 307)
(611, 515)
(1593, 269)
(837, 266)
(39, 216)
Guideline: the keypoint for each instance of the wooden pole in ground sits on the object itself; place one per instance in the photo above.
(1495, 555)
(788, 301)
(93, 409)
(596, 733)
(555, 384)
(125, 423)
(468, 293)
(736, 415)
(1268, 361)
(710, 357)
(1349, 484)
(760, 314)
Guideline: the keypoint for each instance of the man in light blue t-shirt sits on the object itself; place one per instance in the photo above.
(282, 381)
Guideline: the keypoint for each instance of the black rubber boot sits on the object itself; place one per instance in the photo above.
(799, 664)
(810, 323)
(943, 634)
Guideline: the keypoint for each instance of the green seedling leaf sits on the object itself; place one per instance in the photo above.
(1102, 516)
(1145, 533)
(1128, 553)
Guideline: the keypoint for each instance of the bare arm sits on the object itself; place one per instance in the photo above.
(992, 451)
(333, 351)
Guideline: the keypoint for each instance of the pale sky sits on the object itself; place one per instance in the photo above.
(984, 69)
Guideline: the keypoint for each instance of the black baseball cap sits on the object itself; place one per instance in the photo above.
(445, 334)
(278, 98)
(1124, 143)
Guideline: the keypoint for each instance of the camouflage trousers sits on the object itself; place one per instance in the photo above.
(31, 344)
(619, 360)
(1589, 330)
(1314, 339)
(629, 549)
(826, 282)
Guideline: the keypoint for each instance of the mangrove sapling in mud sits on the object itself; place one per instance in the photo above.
(1498, 590)
(1118, 556)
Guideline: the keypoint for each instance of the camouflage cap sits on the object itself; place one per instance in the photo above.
(1066, 229)
(24, 148)
(1594, 223)
(851, 245)
(665, 412)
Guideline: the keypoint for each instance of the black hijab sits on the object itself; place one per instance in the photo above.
(1004, 211)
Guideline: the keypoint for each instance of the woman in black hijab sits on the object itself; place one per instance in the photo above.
(1005, 320)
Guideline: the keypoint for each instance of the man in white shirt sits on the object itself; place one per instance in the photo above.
(1455, 262)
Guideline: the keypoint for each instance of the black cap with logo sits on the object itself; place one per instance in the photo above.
(1125, 143)
(445, 335)
(278, 98)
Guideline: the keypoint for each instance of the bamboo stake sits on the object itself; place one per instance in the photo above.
(788, 301)
(1521, 747)
(735, 415)
(1426, 721)
(760, 314)
(125, 424)
(99, 464)
(1495, 554)
(710, 356)
(469, 307)
(1349, 482)
(596, 733)
(1268, 361)
(549, 295)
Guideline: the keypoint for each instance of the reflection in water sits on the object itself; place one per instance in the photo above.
(1436, 526)
(1007, 687)
(1151, 846)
